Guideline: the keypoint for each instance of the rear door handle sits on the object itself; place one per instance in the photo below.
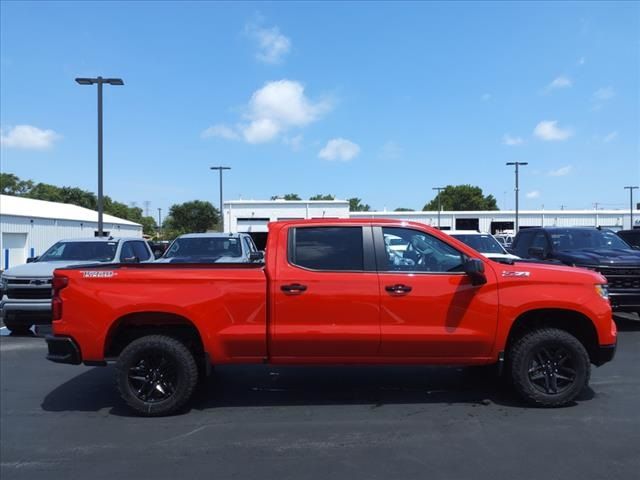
(398, 289)
(293, 288)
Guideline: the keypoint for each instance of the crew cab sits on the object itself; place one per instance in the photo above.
(597, 249)
(334, 292)
(25, 290)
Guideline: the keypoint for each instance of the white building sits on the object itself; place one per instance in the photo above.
(29, 227)
(252, 216)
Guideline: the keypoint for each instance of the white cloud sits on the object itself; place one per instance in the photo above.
(561, 172)
(511, 141)
(272, 45)
(485, 97)
(610, 137)
(581, 61)
(295, 143)
(221, 131)
(339, 149)
(560, 82)
(604, 94)
(28, 137)
(533, 194)
(390, 151)
(548, 130)
(272, 110)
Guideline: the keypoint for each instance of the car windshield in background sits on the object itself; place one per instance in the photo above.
(577, 239)
(204, 248)
(481, 243)
(81, 251)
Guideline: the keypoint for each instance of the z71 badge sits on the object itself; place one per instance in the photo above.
(506, 273)
(98, 273)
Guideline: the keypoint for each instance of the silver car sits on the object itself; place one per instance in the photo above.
(212, 248)
(25, 290)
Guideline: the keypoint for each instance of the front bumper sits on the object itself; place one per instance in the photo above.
(604, 354)
(625, 302)
(63, 350)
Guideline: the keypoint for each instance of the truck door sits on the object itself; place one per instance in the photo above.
(325, 294)
(429, 307)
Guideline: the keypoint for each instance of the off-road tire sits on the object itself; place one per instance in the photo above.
(18, 328)
(524, 365)
(182, 368)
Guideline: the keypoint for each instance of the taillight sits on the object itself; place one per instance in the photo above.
(59, 282)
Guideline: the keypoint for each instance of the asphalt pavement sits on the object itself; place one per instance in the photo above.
(261, 422)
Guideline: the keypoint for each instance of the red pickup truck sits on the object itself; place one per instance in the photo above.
(335, 292)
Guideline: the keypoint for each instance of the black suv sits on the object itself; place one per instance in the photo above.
(593, 248)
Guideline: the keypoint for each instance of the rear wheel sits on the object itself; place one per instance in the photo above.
(549, 367)
(17, 328)
(156, 375)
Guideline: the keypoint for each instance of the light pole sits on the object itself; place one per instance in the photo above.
(517, 190)
(220, 169)
(100, 81)
(159, 222)
(631, 189)
(439, 189)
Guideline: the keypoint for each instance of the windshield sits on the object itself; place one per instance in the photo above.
(483, 243)
(81, 251)
(576, 239)
(205, 247)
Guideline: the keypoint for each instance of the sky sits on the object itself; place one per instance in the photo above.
(381, 101)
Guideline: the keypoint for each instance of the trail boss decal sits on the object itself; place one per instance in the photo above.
(98, 274)
(506, 273)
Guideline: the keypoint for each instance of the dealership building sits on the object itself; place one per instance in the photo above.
(252, 216)
(29, 227)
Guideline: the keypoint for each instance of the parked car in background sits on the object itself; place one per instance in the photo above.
(212, 248)
(505, 239)
(25, 290)
(593, 248)
(632, 237)
(158, 247)
(485, 243)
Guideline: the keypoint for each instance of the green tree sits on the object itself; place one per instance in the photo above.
(148, 225)
(462, 197)
(356, 205)
(322, 197)
(196, 216)
(287, 196)
(402, 209)
(10, 184)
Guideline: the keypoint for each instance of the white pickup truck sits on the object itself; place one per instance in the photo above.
(25, 290)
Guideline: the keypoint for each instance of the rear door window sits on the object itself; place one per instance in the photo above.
(141, 251)
(327, 248)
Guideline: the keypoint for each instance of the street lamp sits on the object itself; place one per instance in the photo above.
(631, 189)
(100, 81)
(220, 169)
(159, 222)
(439, 189)
(517, 189)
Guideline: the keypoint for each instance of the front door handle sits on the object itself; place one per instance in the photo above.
(293, 288)
(398, 289)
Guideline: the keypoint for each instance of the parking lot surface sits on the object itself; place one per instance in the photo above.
(262, 422)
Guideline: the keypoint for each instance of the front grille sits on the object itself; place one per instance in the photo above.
(621, 278)
(29, 293)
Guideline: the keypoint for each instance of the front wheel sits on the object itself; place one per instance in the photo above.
(156, 375)
(549, 367)
(18, 328)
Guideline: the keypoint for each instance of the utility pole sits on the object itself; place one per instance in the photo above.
(631, 189)
(220, 169)
(146, 204)
(159, 222)
(595, 206)
(100, 81)
(517, 190)
(439, 189)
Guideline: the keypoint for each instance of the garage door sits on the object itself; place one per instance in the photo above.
(14, 246)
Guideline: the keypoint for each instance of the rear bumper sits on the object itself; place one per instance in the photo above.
(63, 350)
(604, 354)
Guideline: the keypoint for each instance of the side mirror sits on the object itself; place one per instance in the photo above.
(537, 252)
(256, 256)
(32, 259)
(475, 269)
(130, 260)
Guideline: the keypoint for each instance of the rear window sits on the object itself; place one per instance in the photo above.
(327, 248)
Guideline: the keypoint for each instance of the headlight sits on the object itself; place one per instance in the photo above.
(603, 291)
